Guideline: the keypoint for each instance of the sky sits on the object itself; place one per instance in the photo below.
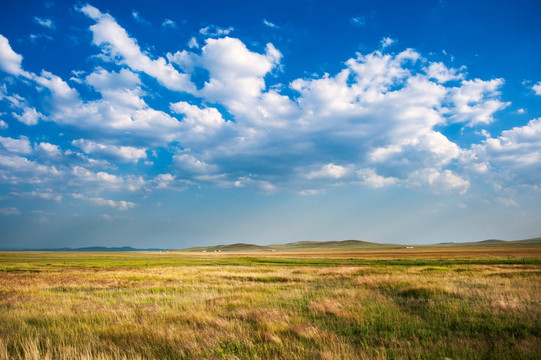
(178, 123)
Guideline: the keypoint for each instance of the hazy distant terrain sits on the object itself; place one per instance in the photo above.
(357, 245)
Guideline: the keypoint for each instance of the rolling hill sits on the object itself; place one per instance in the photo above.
(354, 245)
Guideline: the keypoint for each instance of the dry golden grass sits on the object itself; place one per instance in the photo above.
(95, 306)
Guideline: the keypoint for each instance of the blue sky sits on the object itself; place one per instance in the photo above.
(176, 124)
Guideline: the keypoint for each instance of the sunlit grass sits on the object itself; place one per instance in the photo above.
(149, 306)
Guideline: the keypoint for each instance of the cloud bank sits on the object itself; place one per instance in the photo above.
(381, 121)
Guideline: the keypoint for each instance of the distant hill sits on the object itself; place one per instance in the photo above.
(90, 249)
(351, 245)
(494, 242)
(344, 245)
(296, 246)
(332, 245)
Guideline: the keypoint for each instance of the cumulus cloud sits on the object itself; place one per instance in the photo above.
(120, 111)
(516, 154)
(49, 149)
(117, 45)
(378, 121)
(17, 146)
(441, 181)
(119, 153)
(192, 164)
(18, 170)
(476, 101)
(442, 74)
(29, 115)
(329, 171)
(236, 73)
(370, 178)
(386, 42)
(10, 61)
(537, 88)
(200, 120)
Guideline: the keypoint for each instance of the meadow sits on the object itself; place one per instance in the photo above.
(456, 303)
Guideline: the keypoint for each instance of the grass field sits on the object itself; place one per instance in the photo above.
(458, 303)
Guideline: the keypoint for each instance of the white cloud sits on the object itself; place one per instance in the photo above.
(215, 31)
(426, 150)
(442, 74)
(3, 124)
(269, 24)
(259, 184)
(10, 61)
(476, 101)
(18, 170)
(120, 153)
(329, 171)
(46, 194)
(29, 116)
(121, 205)
(119, 112)
(169, 24)
(17, 146)
(48, 23)
(237, 80)
(370, 178)
(164, 180)
(63, 95)
(192, 164)
(386, 42)
(445, 181)
(236, 73)
(537, 88)
(117, 45)
(101, 176)
(98, 181)
(380, 117)
(10, 211)
(192, 44)
(515, 154)
(200, 120)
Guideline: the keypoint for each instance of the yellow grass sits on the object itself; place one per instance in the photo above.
(240, 308)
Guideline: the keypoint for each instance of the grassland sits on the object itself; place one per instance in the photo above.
(480, 302)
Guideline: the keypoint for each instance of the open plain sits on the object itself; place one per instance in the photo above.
(434, 302)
